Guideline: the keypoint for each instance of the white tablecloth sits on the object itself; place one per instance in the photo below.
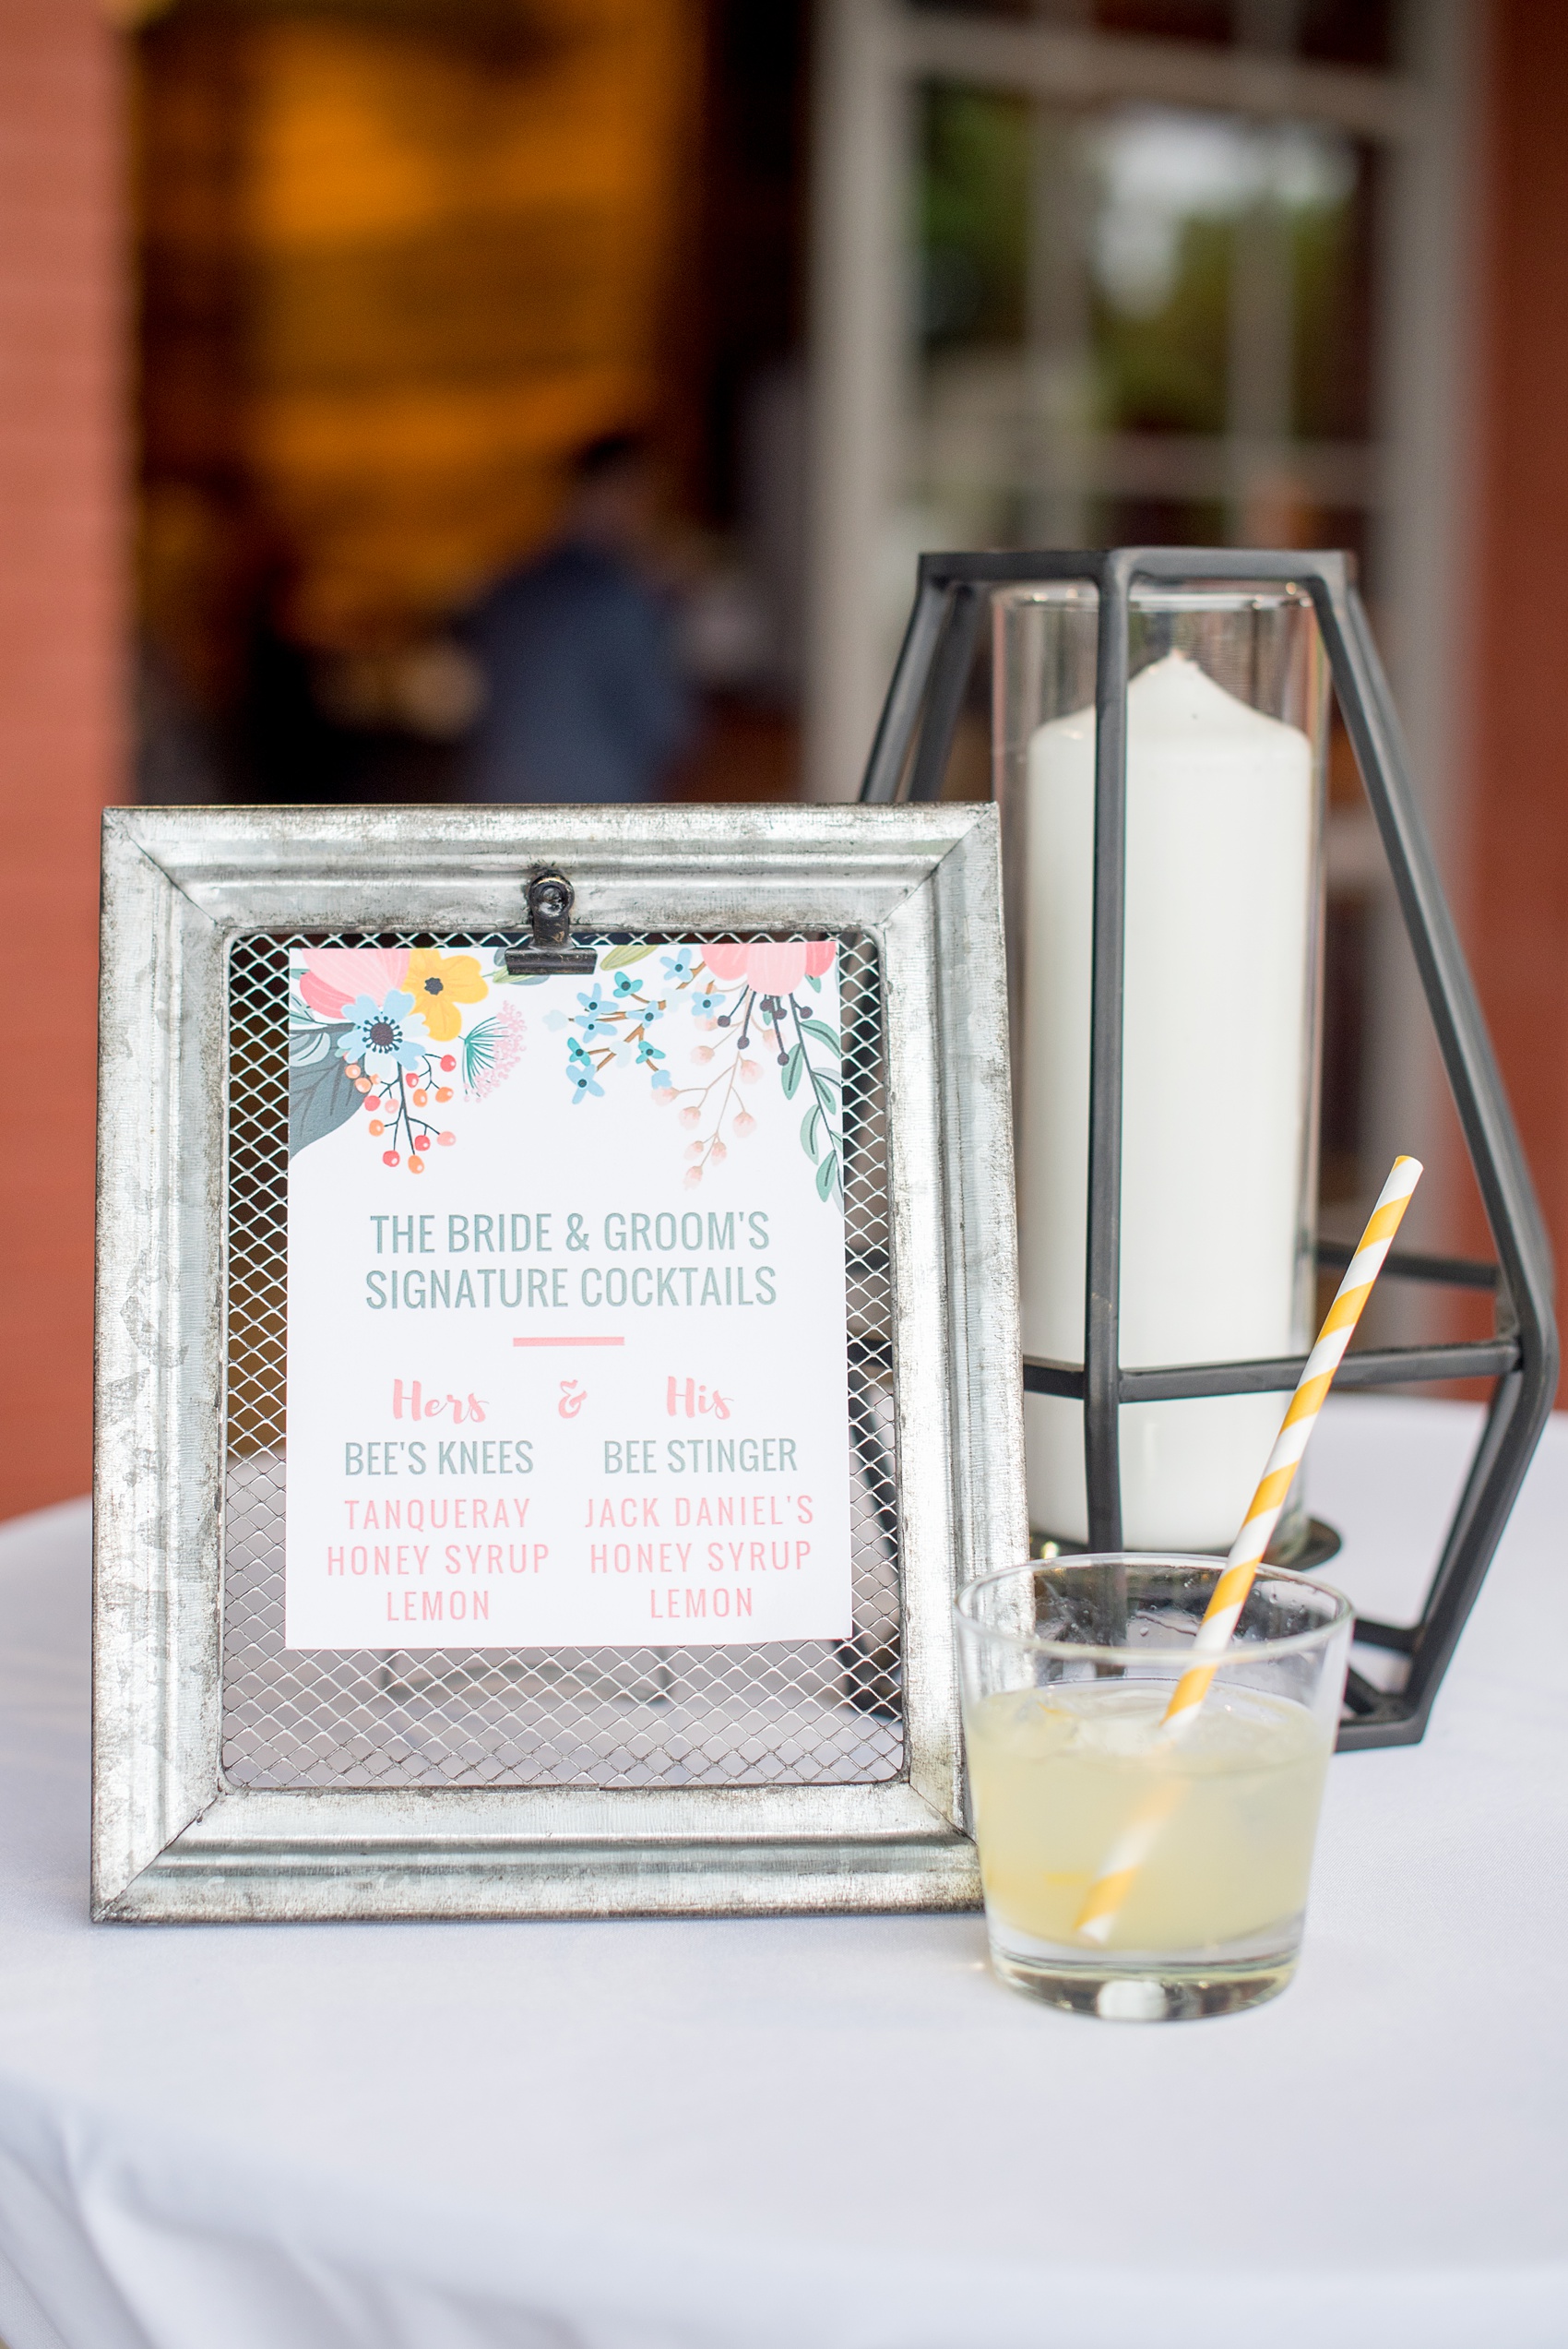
(836, 2134)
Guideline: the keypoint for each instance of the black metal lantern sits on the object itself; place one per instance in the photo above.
(909, 759)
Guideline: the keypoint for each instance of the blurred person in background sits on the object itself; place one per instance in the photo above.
(584, 698)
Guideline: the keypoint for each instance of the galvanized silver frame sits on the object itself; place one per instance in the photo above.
(171, 1839)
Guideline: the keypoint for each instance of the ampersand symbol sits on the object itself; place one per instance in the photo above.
(571, 1402)
(576, 1235)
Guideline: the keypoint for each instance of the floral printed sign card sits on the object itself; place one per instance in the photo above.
(566, 1299)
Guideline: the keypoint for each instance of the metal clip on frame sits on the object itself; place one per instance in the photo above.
(909, 759)
(549, 898)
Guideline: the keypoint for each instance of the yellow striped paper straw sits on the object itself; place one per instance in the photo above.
(1131, 1849)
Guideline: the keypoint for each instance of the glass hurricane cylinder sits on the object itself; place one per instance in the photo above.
(1226, 730)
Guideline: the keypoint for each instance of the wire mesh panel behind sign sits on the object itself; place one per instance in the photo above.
(813, 1713)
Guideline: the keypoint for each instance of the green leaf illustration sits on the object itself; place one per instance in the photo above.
(321, 1098)
(619, 955)
(824, 1034)
(793, 1068)
(809, 1125)
(479, 1050)
(309, 1042)
(826, 1176)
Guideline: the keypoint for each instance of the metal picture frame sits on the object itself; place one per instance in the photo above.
(175, 1838)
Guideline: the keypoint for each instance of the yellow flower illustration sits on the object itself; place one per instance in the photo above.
(438, 984)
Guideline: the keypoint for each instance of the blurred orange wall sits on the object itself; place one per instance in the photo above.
(398, 263)
(60, 718)
(1517, 894)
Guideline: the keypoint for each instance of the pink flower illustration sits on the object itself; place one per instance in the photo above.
(504, 1040)
(773, 966)
(334, 975)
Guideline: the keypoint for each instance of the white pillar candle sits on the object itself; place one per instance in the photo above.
(1217, 1031)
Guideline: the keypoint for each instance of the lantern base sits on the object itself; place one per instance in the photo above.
(1313, 1547)
(1315, 1544)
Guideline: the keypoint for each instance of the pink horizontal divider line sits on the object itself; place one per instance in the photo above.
(568, 1341)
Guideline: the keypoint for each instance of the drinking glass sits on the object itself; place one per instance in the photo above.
(1067, 1668)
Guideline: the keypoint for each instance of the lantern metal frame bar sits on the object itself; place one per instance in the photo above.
(909, 759)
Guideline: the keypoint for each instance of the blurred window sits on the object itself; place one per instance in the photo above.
(1093, 272)
(1148, 253)
(1139, 305)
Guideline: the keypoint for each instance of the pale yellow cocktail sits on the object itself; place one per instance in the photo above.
(1057, 1774)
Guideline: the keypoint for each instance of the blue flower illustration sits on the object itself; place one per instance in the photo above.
(591, 1022)
(677, 966)
(581, 1072)
(382, 1035)
(648, 1052)
(625, 984)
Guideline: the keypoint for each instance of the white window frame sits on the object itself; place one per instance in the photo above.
(873, 55)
